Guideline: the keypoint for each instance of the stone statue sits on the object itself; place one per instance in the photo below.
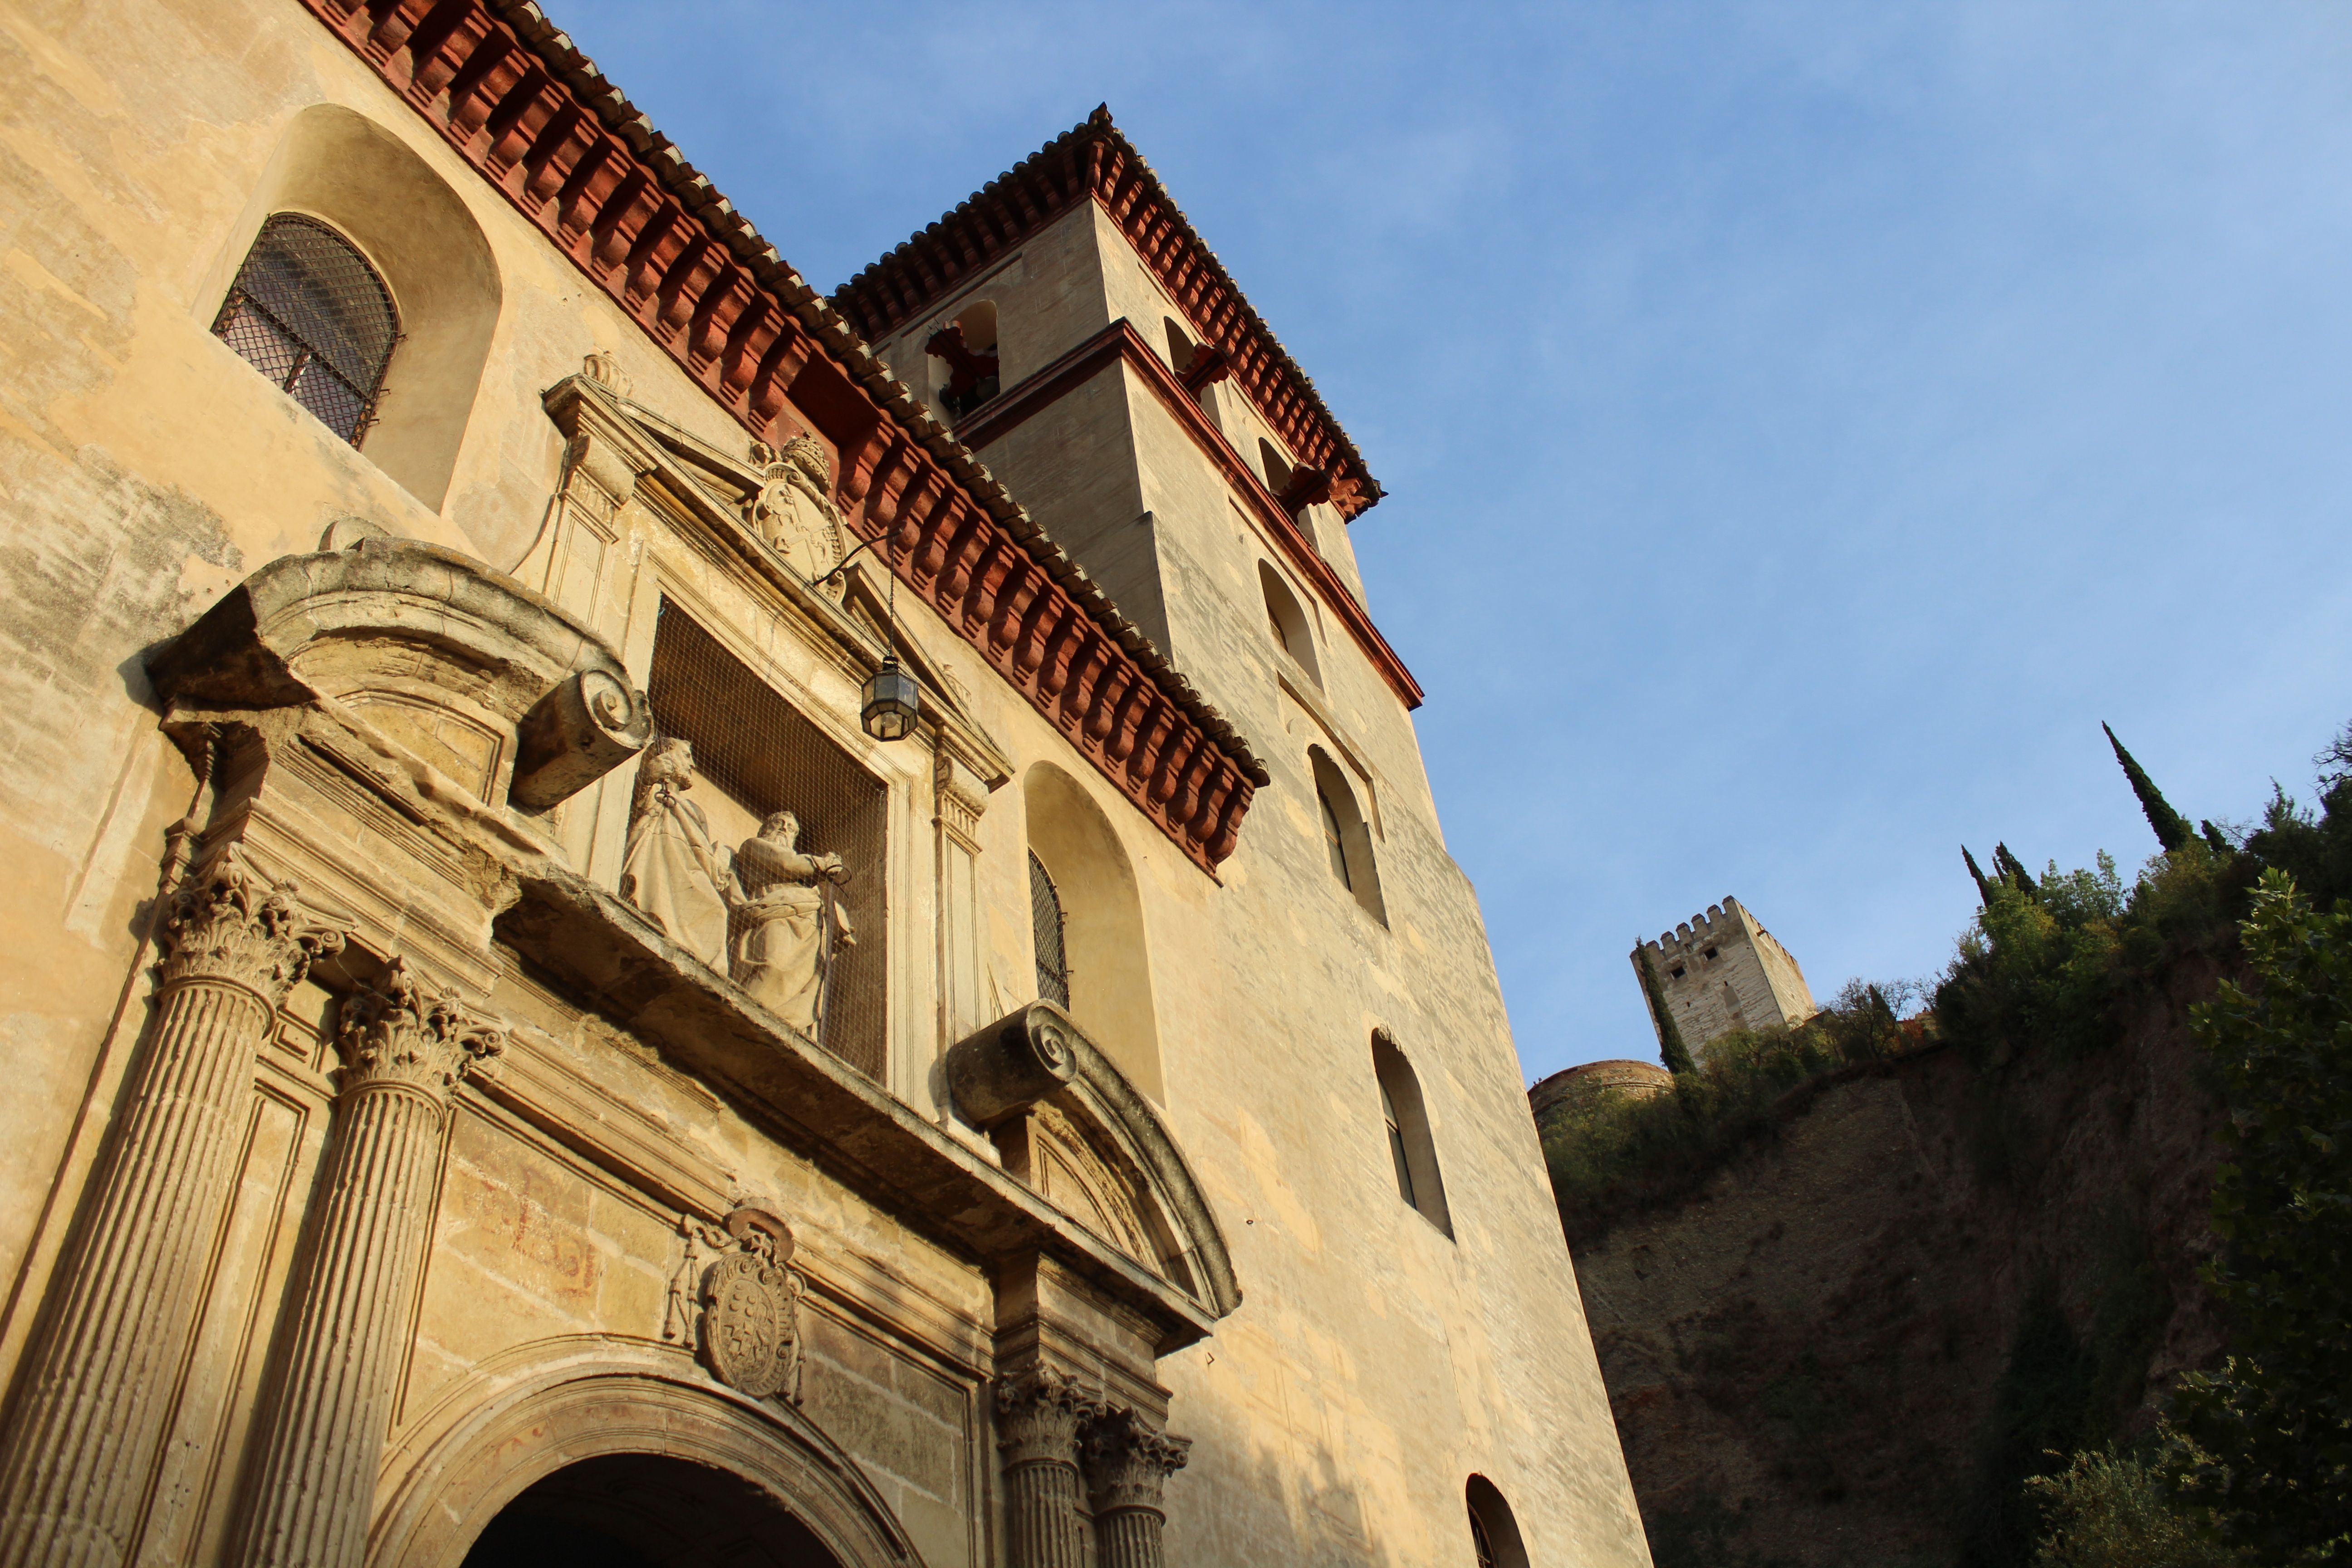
(787, 924)
(671, 870)
(794, 513)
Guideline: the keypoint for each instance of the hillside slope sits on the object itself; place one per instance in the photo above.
(1848, 1344)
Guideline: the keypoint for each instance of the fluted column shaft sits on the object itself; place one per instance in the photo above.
(1038, 1418)
(80, 1446)
(1128, 1467)
(404, 1048)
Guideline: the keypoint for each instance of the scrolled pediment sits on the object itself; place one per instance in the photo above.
(475, 674)
(1072, 1126)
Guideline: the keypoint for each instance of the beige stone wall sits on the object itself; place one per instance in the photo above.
(1375, 1363)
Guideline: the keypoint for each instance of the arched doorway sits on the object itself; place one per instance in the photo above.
(644, 1510)
(632, 1442)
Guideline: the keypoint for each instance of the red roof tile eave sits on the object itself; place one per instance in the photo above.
(1095, 158)
(536, 119)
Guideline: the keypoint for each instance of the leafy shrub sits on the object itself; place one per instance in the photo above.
(2110, 1511)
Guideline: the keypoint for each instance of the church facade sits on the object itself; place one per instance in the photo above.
(662, 917)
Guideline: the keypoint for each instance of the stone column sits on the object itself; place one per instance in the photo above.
(1128, 1467)
(1038, 1416)
(82, 1444)
(404, 1048)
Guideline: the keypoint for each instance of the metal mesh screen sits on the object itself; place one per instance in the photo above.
(755, 753)
(1045, 926)
(308, 312)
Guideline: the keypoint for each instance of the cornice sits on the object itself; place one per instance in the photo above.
(537, 120)
(1121, 342)
(1094, 159)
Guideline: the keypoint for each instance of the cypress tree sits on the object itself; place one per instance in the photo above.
(2011, 867)
(1984, 888)
(1671, 1050)
(2172, 828)
(2216, 837)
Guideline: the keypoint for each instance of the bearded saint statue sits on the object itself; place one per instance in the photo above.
(794, 513)
(672, 870)
(787, 924)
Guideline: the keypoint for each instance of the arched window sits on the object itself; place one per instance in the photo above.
(1493, 1533)
(967, 348)
(1276, 466)
(1284, 613)
(1180, 346)
(1347, 836)
(1105, 958)
(1045, 925)
(369, 190)
(1333, 840)
(309, 311)
(1412, 1156)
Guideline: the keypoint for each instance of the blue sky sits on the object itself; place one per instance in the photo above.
(1802, 422)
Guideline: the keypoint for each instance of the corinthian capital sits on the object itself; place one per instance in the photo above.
(399, 1033)
(231, 923)
(1038, 1415)
(1129, 1463)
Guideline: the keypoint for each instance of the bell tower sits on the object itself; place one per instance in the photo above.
(1075, 333)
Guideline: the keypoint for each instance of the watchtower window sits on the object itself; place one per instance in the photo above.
(308, 311)
(1332, 838)
(1045, 926)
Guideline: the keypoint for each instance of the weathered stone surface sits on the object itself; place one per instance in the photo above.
(417, 710)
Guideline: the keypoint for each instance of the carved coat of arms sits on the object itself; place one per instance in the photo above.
(751, 1309)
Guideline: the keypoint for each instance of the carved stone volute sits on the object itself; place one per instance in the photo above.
(1011, 1064)
(232, 925)
(398, 1032)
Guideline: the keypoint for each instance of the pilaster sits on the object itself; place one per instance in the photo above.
(1129, 1462)
(403, 1047)
(81, 1443)
(1039, 1417)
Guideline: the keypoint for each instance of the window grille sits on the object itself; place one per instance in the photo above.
(308, 312)
(1396, 1148)
(1046, 925)
(1481, 1542)
(1333, 840)
(755, 753)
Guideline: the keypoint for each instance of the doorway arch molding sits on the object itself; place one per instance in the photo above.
(523, 1416)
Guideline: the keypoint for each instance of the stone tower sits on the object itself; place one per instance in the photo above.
(1723, 970)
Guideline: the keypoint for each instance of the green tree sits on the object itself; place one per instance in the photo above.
(2109, 1510)
(2172, 829)
(2013, 868)
(1671, 1050)
(1984, 888)
(2274, 1423)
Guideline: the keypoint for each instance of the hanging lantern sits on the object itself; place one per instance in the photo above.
(892, 702)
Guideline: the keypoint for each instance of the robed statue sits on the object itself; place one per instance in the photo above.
(671, 869)
(788, 925)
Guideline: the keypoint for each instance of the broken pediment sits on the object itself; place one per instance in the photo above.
(461, 666)
(1071, 1126)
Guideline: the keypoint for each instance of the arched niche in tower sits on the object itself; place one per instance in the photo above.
(1109, 965)
(1348, 835)
(1287, 619)
(344, 170)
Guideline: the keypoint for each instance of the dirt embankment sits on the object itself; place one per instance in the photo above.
(1851, 1341)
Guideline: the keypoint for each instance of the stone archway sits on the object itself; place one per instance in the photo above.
(644, 1510)
(576, 1437)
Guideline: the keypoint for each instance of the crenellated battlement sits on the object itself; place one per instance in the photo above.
(1721, 971)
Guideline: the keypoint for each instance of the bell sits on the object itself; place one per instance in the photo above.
(892, 702)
